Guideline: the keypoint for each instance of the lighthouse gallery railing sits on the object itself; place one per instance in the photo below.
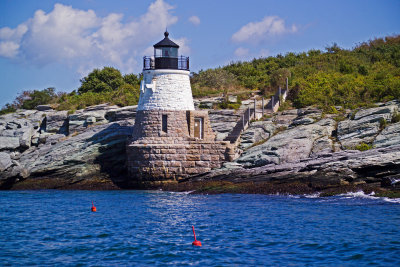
(180, 63)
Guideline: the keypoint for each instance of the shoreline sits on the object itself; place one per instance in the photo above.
(215, 187)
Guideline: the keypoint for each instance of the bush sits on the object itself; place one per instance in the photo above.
(382, 123)
(8, 108)
(396, 117)
(36, 98)
(363, 147)
(228, 105)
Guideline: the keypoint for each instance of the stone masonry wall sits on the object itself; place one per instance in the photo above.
(155, 156)
(166, 90)
(208, 133)
(172, 162)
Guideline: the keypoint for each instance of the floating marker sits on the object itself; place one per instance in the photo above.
(195, 242)
(93, 208)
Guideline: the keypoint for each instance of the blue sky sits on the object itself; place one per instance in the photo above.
(55, 43)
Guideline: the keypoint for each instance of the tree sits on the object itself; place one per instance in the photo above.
(133, 79)
(278, 77)
(35, 98)
(107, 79)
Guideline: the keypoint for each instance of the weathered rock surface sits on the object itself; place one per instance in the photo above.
(9, 142)
(43, 107)
(56, 122)
(389, 136)
(299, 146)
(257, 132)
(365, 126)
(223, 121)
(308, 153)
(38, 144)
(5, 161)
(290, 145)
(335, 169)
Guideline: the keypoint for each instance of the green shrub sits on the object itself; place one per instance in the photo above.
(228, 105)
(330, 110)
(382, 123)
(363, 147)
(8, 108)
(395, 117)
(285, 105)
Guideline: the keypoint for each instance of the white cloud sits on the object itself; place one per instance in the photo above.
(12, 38)
(84, 40)
(195, 20)
(184, 48)
(256, 32)
(241, 52)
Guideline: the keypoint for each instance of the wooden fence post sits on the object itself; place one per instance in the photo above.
(262, 103)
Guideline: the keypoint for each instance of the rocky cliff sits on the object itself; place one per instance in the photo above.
(86, 149)
(54, 149)
(318, 151)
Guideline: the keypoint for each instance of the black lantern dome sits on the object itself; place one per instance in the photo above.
(166, 56)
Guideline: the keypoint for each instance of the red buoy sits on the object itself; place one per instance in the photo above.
(93, 208)
(195, 242)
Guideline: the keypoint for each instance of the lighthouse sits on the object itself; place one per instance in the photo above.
(171, 140)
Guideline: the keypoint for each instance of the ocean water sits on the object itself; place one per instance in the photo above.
(153, 228)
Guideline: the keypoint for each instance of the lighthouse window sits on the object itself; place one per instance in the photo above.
(164, 124)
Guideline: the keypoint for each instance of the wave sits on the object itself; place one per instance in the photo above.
(315, 195)
(361, 194)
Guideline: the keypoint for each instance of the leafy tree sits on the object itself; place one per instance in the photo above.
(107, 79)
(278, 78)
(133, 79)
(37, 97)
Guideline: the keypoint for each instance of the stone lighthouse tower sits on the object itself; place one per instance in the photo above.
(171, 140)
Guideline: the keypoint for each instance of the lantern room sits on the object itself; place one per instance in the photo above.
(166, 56)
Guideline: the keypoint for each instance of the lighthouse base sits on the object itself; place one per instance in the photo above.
(159, 154)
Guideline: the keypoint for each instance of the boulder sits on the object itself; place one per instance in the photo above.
(57, 122)
(302, 121)
(322, 146)
(365, 126)
(81, 119)
(389, 136)
(291, 145)
(257, 132)
(44, 107)
(5, 161)
(21, 129)
(9, 142)
(119, 114)
(375, 114)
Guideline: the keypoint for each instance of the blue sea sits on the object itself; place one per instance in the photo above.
(154, 228)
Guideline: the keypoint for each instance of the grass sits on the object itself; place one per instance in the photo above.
(395, 117)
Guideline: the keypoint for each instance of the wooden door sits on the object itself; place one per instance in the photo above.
(198, 128)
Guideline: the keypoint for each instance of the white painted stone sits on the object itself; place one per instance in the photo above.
(165, 89)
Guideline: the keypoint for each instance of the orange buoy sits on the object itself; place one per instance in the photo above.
(195, 242)
(93, 208)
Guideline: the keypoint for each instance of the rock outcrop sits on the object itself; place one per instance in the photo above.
(310, 148)
(304, 145)
(365, 125)
(89, 144)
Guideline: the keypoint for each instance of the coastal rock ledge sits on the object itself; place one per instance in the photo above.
(294, 151)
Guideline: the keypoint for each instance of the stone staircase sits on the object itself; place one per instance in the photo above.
(241, 125)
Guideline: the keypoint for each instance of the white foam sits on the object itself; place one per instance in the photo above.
(361, 194)
(315, 195)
